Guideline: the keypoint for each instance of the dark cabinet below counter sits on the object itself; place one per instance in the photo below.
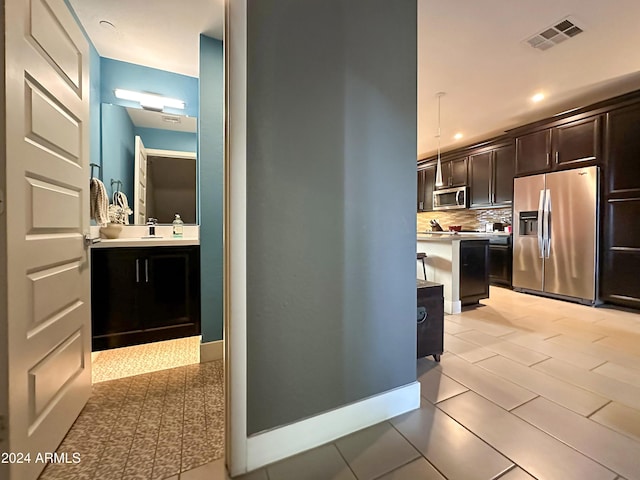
(474, 271)
(145, 294)
(500, 260)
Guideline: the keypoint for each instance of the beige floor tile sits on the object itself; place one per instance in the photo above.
(605, 386)
(453, 327)
(561, 352)
(598, 351)
(620, 418)
(480, 323)
(533, 450)
(516, 474)
(502, 347)
(618, 372)
(323, 463)
(375, 451)
(452, 449)
(211, 471)
(469, 351)
(436, 386)
(614, 451)
(419, 469)
(572, 397)
(500, 391)
(629, 343)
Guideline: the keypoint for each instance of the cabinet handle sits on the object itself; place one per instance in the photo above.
(146, 270)
(547, 158)
(421, 205)
(137, 270)
(557, 157)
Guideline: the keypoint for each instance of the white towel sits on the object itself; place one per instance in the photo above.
(120, 199)
(99, 202)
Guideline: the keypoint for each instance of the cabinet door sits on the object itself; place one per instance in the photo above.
(500, 260)
(420, 193)
(474, 271)
(171, 281)
(576, 142)
(503, 173)
(115, 278)
(429, 185)
(621, 207)
(533, 152)
(458, 172)
(480, 179)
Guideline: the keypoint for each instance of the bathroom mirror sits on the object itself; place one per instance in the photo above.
(170, 142)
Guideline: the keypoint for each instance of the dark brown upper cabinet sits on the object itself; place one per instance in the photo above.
(570, 144)
(426, 183)
(454, 173)
(491, 177)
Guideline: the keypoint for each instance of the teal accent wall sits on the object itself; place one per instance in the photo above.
(211, 185)
(117, 74)
(167, 139)
(118, 153)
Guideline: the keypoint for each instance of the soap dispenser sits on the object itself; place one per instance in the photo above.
(178, 226)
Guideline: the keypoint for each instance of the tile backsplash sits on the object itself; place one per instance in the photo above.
(468, 219)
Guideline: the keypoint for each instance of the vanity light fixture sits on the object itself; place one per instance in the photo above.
(149, 101)
(439, 182)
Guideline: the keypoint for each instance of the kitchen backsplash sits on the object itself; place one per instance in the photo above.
(468, 219)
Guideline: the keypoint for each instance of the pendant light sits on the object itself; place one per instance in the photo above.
(439, 182)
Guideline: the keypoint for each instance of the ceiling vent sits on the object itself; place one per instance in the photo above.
(555, 34)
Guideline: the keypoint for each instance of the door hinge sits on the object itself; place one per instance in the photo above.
(1, 202)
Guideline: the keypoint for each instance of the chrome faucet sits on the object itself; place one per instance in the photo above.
(151, 223)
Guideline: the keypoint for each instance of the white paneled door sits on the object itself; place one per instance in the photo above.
(46, 372)
(140, 183)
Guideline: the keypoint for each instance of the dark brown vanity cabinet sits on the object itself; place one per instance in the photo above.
(426, 181)
(491, 177)
(146, 294)
(571, 144)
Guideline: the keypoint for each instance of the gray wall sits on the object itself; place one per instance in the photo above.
(331, 155)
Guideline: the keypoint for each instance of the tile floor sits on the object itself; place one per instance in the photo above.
(149, 357)
(528, 388)
(150, 426)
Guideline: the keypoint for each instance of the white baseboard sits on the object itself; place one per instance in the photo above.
(211, 351)
(273, 445)
(452, 307)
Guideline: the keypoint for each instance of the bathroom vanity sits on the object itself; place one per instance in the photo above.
(144, 290)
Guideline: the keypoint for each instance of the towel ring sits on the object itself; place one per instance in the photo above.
(95, 165)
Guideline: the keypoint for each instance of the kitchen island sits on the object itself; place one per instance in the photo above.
(460, 262)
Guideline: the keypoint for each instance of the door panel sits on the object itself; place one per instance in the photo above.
(140, 183)
(571, 263)
(527, 261)
(47, 265)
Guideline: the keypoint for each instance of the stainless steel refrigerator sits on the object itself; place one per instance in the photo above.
(555, 233)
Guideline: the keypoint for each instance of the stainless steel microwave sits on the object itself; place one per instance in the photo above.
(450, 198)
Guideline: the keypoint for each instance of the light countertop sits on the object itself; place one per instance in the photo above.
(145, 242)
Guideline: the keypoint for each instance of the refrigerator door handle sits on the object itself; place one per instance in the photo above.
(541, 205)
(547, 222)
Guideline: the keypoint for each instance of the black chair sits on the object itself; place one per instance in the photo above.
(421, 256)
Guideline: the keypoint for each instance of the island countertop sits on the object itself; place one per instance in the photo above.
(451, 237)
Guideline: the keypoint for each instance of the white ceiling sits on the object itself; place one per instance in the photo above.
(471, 49)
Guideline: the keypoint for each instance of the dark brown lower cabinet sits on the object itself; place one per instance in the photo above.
(500, 260)
(141, 295)
(430, 317)
(474, 271)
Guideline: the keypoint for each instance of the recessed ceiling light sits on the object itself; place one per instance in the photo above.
(537, 97)
(457, 136)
